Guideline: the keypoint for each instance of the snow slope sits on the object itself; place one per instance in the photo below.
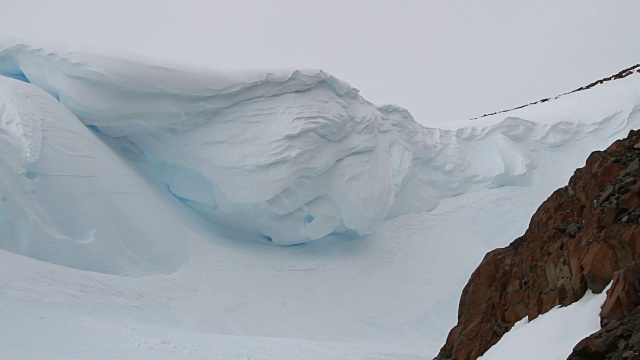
(553, 335)
(178, 178)
(69, 199)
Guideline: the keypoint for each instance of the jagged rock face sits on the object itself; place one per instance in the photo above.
(619, 337)
(579, 239)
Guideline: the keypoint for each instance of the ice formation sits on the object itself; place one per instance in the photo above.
(293, 156)
(67, 198)
(287, 156)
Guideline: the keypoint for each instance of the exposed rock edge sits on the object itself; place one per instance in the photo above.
(583, 236)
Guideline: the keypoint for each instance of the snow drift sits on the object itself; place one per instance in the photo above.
(68, 199)
(292, 156)
(95, 169)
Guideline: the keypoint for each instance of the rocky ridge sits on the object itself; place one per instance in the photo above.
(619, 75)
(584, 236)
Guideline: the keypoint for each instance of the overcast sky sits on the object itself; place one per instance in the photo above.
(443, 60)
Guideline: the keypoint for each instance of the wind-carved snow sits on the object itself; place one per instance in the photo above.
(68, 199)
(289, 157)
(293, 156)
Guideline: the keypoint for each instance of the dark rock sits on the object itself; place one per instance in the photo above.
(606, 194)
(632, 168)
(572, 230)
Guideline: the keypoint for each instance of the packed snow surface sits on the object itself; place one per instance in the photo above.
(67, 198)
(553, 335)
(186, 181)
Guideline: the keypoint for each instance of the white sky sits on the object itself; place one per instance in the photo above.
(443, 60)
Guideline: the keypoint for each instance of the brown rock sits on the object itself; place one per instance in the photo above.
(606, 194)
(631, 168)
(609, 214)
(631, 199)
(624, 295)
(574, 242)
(619, 339)
(607, 173)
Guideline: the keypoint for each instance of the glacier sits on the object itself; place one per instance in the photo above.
(150, 199)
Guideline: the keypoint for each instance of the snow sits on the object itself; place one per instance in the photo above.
(137, 203)
(68, 199)
(276, 150)
(444, 61)
(552, 335)
(295, 152)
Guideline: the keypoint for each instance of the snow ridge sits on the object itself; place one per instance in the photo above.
(293, 156)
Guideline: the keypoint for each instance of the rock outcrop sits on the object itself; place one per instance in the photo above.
(620, 75)
(583, 236)
(619, 337)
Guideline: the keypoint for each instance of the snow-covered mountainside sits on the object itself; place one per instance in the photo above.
(123, 168)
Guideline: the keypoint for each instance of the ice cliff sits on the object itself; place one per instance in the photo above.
(291, 156)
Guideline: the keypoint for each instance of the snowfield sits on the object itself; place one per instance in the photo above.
(140, 207)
